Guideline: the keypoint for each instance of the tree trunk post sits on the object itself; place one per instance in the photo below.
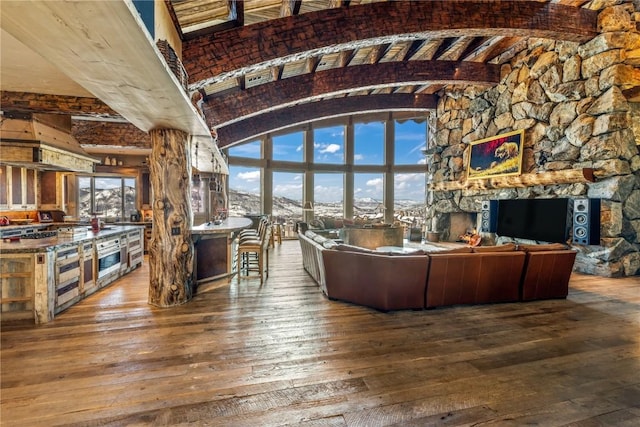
(171, 248)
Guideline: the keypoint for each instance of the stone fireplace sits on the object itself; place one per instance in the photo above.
(570, 99)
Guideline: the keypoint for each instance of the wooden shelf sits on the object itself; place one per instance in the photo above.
(16, 299)
(567, 176)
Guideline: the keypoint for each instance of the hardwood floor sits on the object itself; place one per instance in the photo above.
(241, 354)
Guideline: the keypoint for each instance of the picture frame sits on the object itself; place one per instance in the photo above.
(499, 155)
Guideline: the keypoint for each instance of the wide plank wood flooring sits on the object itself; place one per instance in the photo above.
(241, 354)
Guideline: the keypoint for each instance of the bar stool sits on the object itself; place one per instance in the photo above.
(253, 255)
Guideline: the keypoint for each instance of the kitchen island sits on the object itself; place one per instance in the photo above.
(215, 247)
(40, 277)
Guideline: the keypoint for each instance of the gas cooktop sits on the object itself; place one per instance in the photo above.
(39, 235)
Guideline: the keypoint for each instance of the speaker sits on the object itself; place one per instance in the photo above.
(489, 216)
(586, 221)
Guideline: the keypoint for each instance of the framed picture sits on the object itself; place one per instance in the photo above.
(498, 155)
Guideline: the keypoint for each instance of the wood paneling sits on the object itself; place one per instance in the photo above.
(241, 354)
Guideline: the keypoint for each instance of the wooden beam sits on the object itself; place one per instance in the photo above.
(227, 109)
(213, 56)
(252, 127)
(567, 176)
(56, 104)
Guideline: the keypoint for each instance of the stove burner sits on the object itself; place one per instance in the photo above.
(40, 235)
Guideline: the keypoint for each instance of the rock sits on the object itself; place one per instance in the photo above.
(631, 207)
(592, 87)
(536, 93)
(524, 123)
(554, 133)
(611, 122)
(571, 91)
(613, 167)
(608, 146)
(564, 150)
(579, 131)
(607, 41)
(596, 267)
(551, 78)
(543, 63)
(447, 206)
(635, 164)
(615, 18)
(631, 263)
(566, 49)
(520, 93)
(610, 219)
(478, 105)
(624, 76)
(503, 103)
(454, 150)
(504, 122)
(563, 114)
(592, 66)
(571, 69)
(611, 101)
(456, 164)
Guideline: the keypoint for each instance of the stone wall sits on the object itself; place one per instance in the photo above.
(570, 99)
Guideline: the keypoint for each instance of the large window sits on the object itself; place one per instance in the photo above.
(363, 177)
(113, 198)
(410, 140)
(368, 194)
(368, 143)
(250, 150)
(244, 190)
(328, 145)
(288, 147)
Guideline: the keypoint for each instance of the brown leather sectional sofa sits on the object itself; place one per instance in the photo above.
(465, 275)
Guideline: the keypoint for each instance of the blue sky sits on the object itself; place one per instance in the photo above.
(329, 149)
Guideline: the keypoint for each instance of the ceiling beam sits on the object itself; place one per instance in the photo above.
(214, 57)
(268, 122)
(222, 110)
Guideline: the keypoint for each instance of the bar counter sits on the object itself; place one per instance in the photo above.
(214, 248)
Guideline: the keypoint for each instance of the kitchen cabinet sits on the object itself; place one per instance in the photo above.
(18, 188)
(67, 277)
(24, 281)
(51, 193)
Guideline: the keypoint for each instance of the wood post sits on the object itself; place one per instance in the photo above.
(171, 249)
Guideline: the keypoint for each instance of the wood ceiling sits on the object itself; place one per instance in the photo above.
(263, 65)
(415, 58)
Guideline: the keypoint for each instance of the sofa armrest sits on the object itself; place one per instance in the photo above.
(383, 282)
(546, 274)
(475, 278)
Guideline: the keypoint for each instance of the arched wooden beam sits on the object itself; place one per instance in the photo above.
(268, 122)
(214, 57)
(56, 104)
(233, 106)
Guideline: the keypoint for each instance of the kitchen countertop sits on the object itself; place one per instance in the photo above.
(52, 243)
(229, 225)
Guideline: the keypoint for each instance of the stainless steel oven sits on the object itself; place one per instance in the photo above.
(108, 257)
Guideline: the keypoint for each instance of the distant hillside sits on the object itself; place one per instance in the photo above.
(241, 203)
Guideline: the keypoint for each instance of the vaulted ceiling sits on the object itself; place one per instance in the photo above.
(262, 65)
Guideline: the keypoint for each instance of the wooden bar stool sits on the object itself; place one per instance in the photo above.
(253, 255)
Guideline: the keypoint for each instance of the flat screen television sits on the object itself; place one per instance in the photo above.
(547, 220)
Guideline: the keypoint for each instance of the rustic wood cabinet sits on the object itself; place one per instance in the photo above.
(18, 188)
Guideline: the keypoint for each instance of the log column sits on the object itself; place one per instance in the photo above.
(171, 250)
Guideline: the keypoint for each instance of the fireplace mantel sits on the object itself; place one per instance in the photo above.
(567, 176)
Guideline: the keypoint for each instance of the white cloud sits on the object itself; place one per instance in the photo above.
(288, 190)
(358, 157)
(331, 148)
(376, 185)
(299, 148)
(251, 176)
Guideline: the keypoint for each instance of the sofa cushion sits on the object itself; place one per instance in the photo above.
(329, 244)
(460, 250)
(543, 247)
(509, 247)
(352, 248)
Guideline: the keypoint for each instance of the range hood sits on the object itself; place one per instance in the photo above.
(44, 142)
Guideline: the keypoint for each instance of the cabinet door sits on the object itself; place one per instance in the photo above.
(16, 187)
(4, 197)
(30, 189)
